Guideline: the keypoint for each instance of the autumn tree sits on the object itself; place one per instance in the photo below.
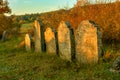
(5, 22)
(4, 7)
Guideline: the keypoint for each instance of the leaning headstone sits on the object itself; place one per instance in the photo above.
(51, 41)
(116, 65)
(28, 42)
(4, 36)
(88, 42)
(66, 41)
(20, 45)
(39, 36)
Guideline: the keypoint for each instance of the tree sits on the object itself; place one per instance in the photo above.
(5, 22)
(4, 7)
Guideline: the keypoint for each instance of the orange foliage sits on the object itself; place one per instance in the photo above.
(6, 23)
(107, 16)
(4, 7)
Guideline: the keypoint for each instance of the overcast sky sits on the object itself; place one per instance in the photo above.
(37, 6)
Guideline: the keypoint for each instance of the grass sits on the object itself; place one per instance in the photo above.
(17, 64)
(26, 28)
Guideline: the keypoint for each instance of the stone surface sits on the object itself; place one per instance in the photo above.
(50, 39)
(4, 36)
(39, 36)
(88, 42)
(116, 65)
(66, 41)
(28, 42)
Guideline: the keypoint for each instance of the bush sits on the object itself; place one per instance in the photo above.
(6, 23)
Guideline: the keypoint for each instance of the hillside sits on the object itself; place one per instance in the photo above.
(105, 15)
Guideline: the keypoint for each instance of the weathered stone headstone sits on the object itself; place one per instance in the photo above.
(51, 41)
(88, 42)
(28, 42)
(66, 41)
(116, 65)
(39, 36)
(4, 36)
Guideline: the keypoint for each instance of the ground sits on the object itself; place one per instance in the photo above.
(17, 64)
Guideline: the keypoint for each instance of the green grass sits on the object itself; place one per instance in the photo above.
(26, 27)
(17, 64)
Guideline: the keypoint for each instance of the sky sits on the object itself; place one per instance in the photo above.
(38, 6)
(20, 7)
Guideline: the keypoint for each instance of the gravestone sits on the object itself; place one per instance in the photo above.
(51, 41)
(39, 36)
(27, 42)
(66, 41)
(88, 42)
(116, 65)
(4, 36)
